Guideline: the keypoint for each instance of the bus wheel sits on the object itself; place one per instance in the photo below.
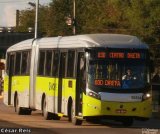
(18, 109)
(127, 122)
(47, 115)
(76, 121)
(71, 116)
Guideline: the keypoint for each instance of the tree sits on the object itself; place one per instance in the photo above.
(26, 18)
(135, 17)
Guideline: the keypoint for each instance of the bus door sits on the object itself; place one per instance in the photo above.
(62, 70)
(11, 62)
(80, 83)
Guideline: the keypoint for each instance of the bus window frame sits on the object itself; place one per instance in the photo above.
(56, 71)
(45, 62)
(74, 62)
(63, 75)
(28, 62)
(17, 72)
(27, 72)
(9, 54)
(38, 65)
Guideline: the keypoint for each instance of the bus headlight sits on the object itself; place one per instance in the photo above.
(146, 96)
(93, 94)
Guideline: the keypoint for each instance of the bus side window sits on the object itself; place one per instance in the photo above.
(8, 61)
(41, 63)
(25, 63)
(11, 64)
(48, 63)
(18, 64)
(62, 72)
(70, 64)
(55, 63)
(81, 71)
(82, 67)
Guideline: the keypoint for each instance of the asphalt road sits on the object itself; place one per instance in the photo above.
(11, 123)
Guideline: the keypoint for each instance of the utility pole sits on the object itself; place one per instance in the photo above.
(74, 17)
(36, 19)
(17, 18)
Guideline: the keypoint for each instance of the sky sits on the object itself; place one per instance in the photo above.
(8, 10)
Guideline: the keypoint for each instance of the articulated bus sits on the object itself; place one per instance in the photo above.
(80, 77)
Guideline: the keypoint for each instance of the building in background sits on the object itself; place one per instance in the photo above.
(8, 38)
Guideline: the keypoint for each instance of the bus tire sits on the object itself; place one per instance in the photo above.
(47, 115)
(69, 111)
(71, 116)
(76, 121)
(127, 122)
(18, 109)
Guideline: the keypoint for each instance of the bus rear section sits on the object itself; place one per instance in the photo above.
(17, 80)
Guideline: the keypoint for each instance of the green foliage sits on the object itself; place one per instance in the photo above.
(26, 20)
(136, 17)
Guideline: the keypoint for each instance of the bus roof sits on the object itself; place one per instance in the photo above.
(83, 41)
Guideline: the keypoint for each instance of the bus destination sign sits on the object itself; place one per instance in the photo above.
(121, 55)
(110, 83)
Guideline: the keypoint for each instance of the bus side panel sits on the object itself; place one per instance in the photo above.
(6, 80)
(68, 90)
(21, 85)
(48, 87)
(91, 106)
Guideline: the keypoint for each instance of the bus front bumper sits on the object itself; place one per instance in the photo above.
(95, 107)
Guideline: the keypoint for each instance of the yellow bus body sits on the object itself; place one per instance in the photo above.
(95, 107)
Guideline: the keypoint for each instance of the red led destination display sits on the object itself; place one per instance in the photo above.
(116, 55)
(133, 55)
(120, 55)
(110, 83)
(101, 55)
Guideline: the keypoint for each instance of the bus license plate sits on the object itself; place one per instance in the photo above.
(121, 111)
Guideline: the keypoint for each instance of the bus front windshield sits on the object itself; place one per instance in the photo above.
(118, 74)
